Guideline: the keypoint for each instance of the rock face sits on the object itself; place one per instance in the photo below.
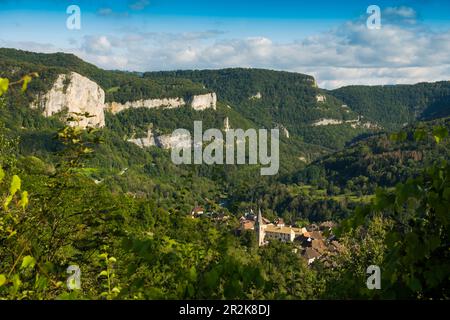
(204, 101)
(321, 98)
(284, 130)
(257, 96)
(170, 141)
(144, 142)
(199, 102)
(356, 123)
(327, 122)
(167, 141)
(75, 94)
(170, 103)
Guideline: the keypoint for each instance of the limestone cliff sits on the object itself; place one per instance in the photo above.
(170, 103)
(170, 141)
(167, 141)
(75, 94)
(198, 102)
(204, 101)
(321, 98)
(144, 142)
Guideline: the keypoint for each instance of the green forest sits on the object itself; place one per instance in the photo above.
(122, 214)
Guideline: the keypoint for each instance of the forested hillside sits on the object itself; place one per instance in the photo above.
(119, 86)
(394, 106)
(123, 214)
(271, 98)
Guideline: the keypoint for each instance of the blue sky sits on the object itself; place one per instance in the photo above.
(328, 39)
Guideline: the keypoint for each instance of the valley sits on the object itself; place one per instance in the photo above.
(92, 149)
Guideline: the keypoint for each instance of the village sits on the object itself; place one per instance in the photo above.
(312, 242)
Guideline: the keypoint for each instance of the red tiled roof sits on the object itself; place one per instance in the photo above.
(311, 253)
(247, 224)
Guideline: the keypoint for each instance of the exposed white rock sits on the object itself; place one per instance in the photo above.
(170, 103)
(321, 98)
(257, 96)
(355, 123)
(366, 125)
(326, 122)
(167, 141)
(199, 102)
(170, 141)
(204, 101)
(75, 94)
(284, 130)
(144, 142)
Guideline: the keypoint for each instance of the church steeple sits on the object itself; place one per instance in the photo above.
(259, 216)
(259, 228)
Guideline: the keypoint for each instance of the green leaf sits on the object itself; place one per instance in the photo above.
(4, 84)
(115, 290)
(26, 80)
(16, 282)
(15, 185)
(103, 256)
(193, 273)
(2, 174)
(104, 273)
(24, 201)
(2, 279)
(28, 262)
(112, 260)
(7, 202)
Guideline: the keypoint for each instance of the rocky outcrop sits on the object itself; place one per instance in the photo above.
(327, 122)
(321, 98)
(170, 141)
(75, 94)
(257, 96)
(284, 130)
(204, 101)
(145, 142)
(169, 103)
(356, 123)
(198, 102)
(167, 141)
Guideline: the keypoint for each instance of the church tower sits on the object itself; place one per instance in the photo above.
(259, 228)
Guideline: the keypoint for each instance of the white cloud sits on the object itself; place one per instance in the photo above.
(29, 46)
(400, 52)
(404, 12)
(400, 14)
(96, 45)
(349, 54)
